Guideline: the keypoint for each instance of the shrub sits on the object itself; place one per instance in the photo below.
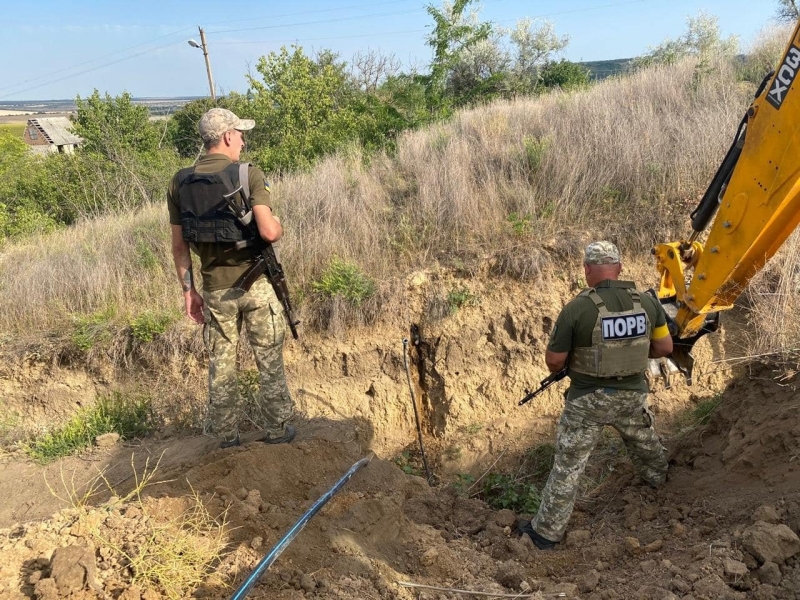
(148, 325)
(344, 279)
(535, 150)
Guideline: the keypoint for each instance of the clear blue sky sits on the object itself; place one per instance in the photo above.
(60, 48)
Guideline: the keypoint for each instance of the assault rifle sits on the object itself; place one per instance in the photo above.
(543, 385)
(265, 261)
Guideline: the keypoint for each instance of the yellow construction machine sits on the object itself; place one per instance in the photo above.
(755, 196)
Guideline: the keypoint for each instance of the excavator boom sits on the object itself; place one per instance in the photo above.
(756, 198)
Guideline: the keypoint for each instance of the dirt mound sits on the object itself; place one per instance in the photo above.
(724, 526)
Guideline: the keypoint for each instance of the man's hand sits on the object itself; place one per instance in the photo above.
(194, 306)
(660, 347)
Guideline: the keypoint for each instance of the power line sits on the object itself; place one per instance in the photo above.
(310, 12)
(352, 18)
(88, 70)
(91, 60)
(75, 66)
(628, 2)
(362, 35)
(338, 37)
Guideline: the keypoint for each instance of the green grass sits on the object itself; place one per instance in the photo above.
(147, 325)
(697, 416)
(346, 280)
(93, 329)
(16, 129)
(129, 416)
(520, 491)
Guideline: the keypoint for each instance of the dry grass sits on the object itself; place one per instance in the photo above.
(522, 185)
(774, 300)
(173, 555)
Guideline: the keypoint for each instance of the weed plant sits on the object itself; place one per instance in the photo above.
(174, 556)
(346, 280)
(129, 416)
(459, 298)
(520, 490)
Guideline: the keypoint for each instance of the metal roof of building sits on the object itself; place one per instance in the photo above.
(57, 130)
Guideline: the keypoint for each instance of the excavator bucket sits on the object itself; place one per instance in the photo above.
(681, 359)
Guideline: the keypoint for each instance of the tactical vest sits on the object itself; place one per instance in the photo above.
(620, 341)
(205, 216)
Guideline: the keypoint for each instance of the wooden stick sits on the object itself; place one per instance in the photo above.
(474, 483)
(408, 584)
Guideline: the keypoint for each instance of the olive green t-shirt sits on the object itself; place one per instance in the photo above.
(220, 264)
(576, 322)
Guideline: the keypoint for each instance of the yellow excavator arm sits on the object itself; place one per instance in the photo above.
(756, 197)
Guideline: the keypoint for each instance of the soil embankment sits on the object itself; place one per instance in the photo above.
(724, 526)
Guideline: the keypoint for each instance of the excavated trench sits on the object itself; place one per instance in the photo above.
(724, 526)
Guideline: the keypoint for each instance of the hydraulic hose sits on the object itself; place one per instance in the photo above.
(270, 558)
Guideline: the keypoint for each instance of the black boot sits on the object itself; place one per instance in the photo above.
(230, 443)
(525, 527)
(288, 436)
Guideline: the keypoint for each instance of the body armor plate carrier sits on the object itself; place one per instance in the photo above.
(620, 341)
(205, 216)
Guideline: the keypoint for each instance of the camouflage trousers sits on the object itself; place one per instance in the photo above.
(578, 432)
(260, 310)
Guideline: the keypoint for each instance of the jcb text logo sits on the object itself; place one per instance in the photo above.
(784, 77)
(623, 328)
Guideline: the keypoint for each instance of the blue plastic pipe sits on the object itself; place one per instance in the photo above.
(273, 555)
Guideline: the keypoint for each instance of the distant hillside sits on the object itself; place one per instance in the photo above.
(600, 69)
(157, 106)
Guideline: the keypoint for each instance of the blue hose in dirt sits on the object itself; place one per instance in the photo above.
(273, 555)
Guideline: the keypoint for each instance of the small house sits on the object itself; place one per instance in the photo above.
(51, 135)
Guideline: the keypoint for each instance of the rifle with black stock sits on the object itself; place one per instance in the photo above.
(266, 262)
(543, 385)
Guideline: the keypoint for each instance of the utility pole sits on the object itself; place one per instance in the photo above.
(208, 64)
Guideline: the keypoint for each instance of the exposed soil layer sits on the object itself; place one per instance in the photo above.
(724, 525)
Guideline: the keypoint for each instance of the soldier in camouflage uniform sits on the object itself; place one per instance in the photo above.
(197, 223)
(604, 336)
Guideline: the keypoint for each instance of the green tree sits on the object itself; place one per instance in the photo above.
(788, 11)
(453, 33)
(479, 72)
(534, 47)
(563, 74)
(110, 126)
(12, 149)
(307, 108)
(405, 94)
(702, 40)
(496, 66)
(182, 130)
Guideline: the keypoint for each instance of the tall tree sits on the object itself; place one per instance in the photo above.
(111, 125)
(306, 107)
(454, 31)
(788, 10)
(702, 40)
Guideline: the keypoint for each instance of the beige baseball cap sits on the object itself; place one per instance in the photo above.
(219, 120)
(601, 253)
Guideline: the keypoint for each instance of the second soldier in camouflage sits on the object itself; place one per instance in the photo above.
(604, 336)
